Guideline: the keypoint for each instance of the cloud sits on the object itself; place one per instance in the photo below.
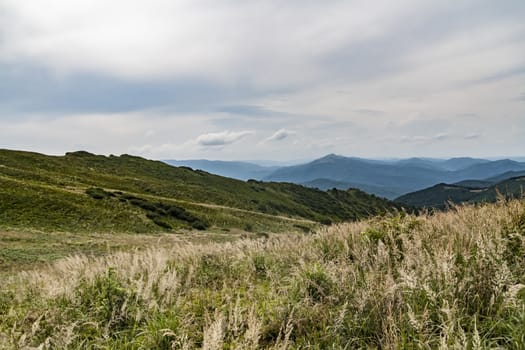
(440, 137)
(31, 89)
(520, 97)
(221, 138)
(98, 75)
(280, 135)
(369, 112)
(161, 39)
(213, 39)
(472, 136)
(255, 111)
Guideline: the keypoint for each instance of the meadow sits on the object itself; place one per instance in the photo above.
(450, 280)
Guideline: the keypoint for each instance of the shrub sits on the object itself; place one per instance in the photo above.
(99, 193)
(158, 220)
(144, 204)
(199, 225)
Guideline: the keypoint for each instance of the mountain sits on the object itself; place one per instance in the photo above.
(488, 169)
(440, 195)
(232, 169)
(428, 163)
(454, 164)
(84, 192)
(384, 177)
(491, 180)
(327, 184)
(505, 176)
(474, 183)
(391, 178)
(355, 170)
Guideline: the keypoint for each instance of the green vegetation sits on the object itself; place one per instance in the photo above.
(441, 195)
(82, 192)
(441, 281)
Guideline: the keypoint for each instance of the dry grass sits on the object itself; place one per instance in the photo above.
(452, 280)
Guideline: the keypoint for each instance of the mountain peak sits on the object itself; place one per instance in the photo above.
(330, 157)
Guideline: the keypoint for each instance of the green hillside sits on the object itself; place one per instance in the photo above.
(440, 195)
(83, 192)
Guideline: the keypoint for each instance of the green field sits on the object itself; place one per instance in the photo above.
(452, 280)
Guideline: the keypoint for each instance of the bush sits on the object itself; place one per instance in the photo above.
(144, 204)
(159, 212)
(99, 193)
(199, 225)
(158, 220)
(326, 221)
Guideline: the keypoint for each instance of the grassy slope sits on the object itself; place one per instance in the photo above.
(48, 193)
(451, 280)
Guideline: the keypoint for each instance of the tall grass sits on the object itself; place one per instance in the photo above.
(452, 280)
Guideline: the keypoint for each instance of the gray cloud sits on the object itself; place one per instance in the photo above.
(32, 89)
(422, 125)
(520, 97)
(467, 115)
(418, 139)
(222, 138)
(472, 136)
(250, 110)
(369, 112)
(503, 74)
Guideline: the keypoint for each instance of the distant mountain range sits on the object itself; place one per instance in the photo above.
(385, 178)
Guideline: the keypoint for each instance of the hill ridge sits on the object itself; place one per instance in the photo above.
(439, 195)
(135, 194)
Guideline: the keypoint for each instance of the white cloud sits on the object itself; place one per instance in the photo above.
(222, 138)
(279, 135)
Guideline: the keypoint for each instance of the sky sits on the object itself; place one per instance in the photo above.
(254, 79)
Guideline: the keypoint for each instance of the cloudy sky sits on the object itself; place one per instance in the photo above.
(263, 79)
